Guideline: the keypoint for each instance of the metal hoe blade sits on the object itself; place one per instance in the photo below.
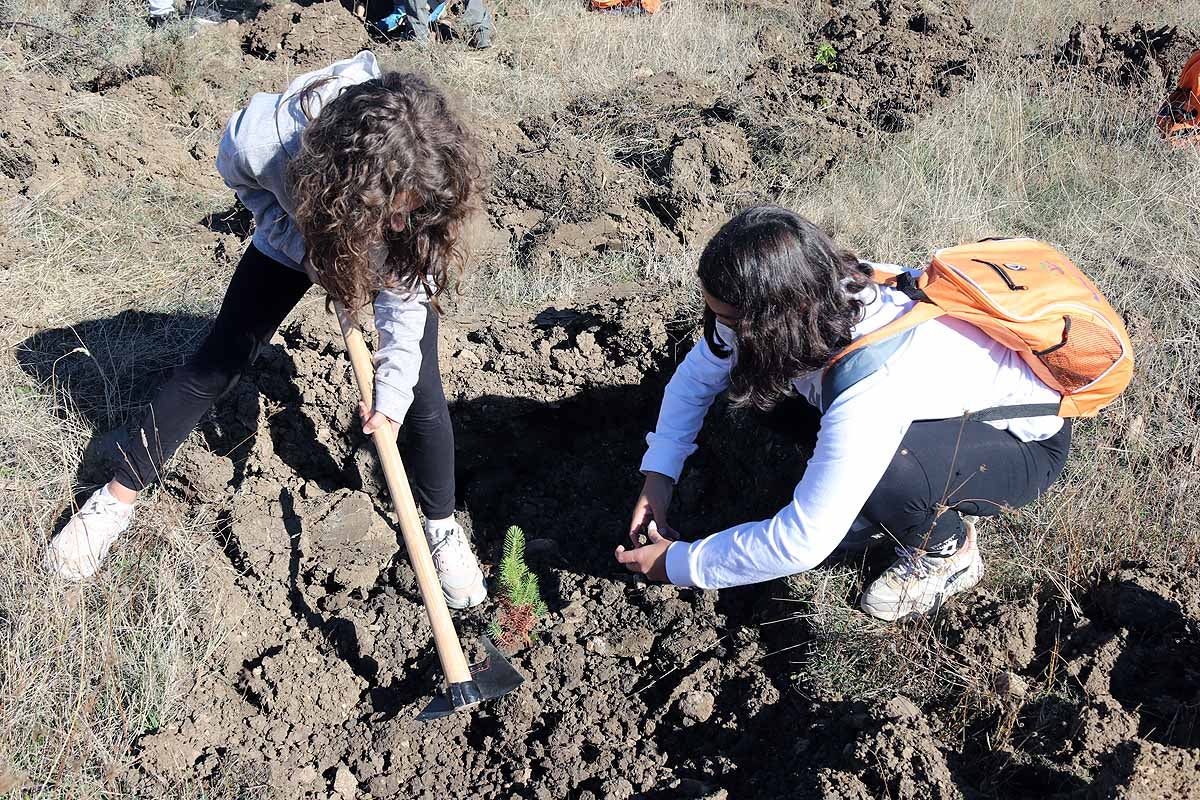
(491, 678)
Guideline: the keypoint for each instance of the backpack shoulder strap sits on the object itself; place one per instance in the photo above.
(1025, 411)
(867, 354)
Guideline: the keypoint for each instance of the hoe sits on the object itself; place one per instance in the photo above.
(466, 686)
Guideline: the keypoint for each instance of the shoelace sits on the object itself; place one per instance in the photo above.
(448, 548)
(913, 561)
(100, 505)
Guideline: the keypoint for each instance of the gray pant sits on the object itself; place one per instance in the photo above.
(474, 15)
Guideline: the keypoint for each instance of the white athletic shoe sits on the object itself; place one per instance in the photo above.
(457, 568)
(919, 582)
(80, 548)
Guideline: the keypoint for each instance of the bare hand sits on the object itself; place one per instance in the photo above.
(650, 560)
(375, 420)
(652, 505)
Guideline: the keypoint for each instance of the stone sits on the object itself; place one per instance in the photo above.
(344, 783)
(697, 706)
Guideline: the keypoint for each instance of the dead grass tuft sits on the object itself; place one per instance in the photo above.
(76, 39)
(845, 654)
(553, 52)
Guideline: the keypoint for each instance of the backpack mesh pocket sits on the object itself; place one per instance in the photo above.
(1087, 351)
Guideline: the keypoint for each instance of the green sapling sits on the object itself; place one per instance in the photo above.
(521, 604)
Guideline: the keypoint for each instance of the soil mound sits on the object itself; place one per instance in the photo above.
(65, 143)
(681, 157)
(872, 67)
(657, 164)
(309, 35)
(1103, 700)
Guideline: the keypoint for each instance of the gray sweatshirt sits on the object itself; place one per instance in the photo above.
(258, 142)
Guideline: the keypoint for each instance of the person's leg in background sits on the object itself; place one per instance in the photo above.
(261, 293)
(162, 12)
(942, 470)
(417, 14)
(477, 24)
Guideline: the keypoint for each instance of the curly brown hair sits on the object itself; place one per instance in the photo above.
(797, 294)
(385, 146)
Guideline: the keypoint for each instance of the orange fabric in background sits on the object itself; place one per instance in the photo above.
(647, 6)
(1179, 117)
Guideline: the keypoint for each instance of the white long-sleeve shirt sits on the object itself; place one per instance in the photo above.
(946, 369)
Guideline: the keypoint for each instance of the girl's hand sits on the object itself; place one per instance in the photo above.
(651, 506)
(650, 560)
(375, 420)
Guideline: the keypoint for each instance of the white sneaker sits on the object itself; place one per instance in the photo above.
(457, 567)
(80, 547)
(919, 582)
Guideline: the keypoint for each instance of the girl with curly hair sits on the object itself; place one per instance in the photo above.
(895, 456)
(359, 181)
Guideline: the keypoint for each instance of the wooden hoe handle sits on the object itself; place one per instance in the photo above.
(445, 638)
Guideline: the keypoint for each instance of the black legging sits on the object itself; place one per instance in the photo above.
(947, 468)
(261, 293)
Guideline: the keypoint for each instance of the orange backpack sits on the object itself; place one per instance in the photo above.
(1024, 294)
(627, 6)
(1179, 117)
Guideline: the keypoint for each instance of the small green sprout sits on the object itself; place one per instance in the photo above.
(826, 56)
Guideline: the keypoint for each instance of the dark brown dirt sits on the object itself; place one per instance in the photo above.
(330, 657)
(632, 689)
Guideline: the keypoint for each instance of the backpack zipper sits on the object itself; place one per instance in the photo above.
(1014, 287)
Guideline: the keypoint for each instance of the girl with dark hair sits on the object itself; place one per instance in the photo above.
(359, 181)
(895, 454)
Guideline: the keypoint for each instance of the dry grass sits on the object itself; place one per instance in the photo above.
(842, 653)
(505, 281)
(77, 37)
(556, 51)
(86, 670)
(1022, 26)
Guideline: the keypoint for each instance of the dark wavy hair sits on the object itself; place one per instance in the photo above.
(794, 290)
(376, 145)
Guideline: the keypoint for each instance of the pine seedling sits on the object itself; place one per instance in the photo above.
(521, 602)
